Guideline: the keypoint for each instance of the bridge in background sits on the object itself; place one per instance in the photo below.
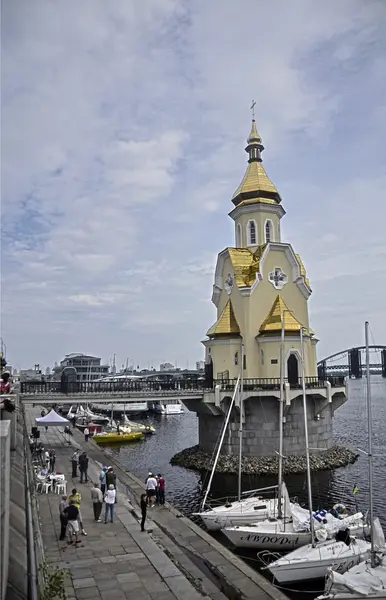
(352, 362)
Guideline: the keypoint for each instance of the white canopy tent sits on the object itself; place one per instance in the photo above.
(52, 420)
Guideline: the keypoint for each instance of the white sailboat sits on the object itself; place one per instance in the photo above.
(291, 532)
(247, 509)
(272, 533)
(313, 560)
(367, 579)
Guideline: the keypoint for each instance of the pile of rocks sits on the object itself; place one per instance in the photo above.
(194, 458)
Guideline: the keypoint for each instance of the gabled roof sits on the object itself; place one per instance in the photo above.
(279, 312)
(226, 324)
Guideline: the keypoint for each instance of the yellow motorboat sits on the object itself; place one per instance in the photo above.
(118, 438)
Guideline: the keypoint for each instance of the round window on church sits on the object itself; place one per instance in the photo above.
(278, 278)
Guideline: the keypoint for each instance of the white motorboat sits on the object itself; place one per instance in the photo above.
(172, 408)
(361, 581)
(290, 533)
(312, 562)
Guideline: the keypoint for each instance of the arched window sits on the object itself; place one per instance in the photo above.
(236, 358)
(252, 233)
(268, 231)
(262, 356)
(239, 241)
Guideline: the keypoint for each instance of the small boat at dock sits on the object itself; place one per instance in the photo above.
(114, 437)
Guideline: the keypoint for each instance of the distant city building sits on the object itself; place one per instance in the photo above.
(167, 367)
(200, 365)
(30, 375)
(87, 367)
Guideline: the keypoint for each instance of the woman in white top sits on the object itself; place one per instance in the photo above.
(110, 501)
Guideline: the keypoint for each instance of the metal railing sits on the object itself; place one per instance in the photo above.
(95, 387)
(273, 383)
(144, 385)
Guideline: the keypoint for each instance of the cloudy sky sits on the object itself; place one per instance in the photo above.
(123, 134)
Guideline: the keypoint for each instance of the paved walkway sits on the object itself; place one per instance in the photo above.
(116, 561)
(174, 560)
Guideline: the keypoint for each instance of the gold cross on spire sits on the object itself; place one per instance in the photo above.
(253, 109)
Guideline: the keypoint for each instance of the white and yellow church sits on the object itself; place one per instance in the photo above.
(261, 291)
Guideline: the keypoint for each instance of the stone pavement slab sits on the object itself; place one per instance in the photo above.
(105, 563)
(121, 562)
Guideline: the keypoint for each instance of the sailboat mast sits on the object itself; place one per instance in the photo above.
(236, 390)
(306, 440)
(241, 409)
(370, 433)
(281, 417)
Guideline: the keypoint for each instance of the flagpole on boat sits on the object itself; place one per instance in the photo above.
(241, 409)
(306, 439)
(370, 445)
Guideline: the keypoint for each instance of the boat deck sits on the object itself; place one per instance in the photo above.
(174, 560)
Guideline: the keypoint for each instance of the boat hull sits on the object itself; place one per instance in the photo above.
(272, 536)
(166, 409)
(123, 438)
(282, 541)
(251, 510)
(314, 562)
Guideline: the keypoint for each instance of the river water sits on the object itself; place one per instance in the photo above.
(174, 433)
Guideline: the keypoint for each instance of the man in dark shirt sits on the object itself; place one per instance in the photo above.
(111, 479)
(72, 513)
(83, 467)
(143, 511)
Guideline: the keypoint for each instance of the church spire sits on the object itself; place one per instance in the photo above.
(256, 185)
(255, 144)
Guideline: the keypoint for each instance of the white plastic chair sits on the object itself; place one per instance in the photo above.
(61, 487)
(39, 484)
(47, 486)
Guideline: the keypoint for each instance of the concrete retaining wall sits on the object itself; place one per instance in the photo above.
(261, 428)
(5, 478)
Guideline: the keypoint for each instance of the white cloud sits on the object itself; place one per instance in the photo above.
(122, 144)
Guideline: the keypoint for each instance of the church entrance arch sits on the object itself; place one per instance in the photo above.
(293, 369)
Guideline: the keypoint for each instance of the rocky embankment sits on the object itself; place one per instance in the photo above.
(194, 458)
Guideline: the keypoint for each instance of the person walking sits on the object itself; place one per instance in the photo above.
(74, 463)
(76, 499)
(110, 501)
(72, 513)
(63, 517)
(83, 467)
(151, 486)
(52, 461)
(161, 489)
(47, 460)
(102, 479)
(97, 499)
(143, 511)
(86, 434)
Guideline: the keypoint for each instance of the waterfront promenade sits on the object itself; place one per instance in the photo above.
(175, 559)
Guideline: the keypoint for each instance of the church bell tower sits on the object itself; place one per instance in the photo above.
(260, 283)
(262, 332)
